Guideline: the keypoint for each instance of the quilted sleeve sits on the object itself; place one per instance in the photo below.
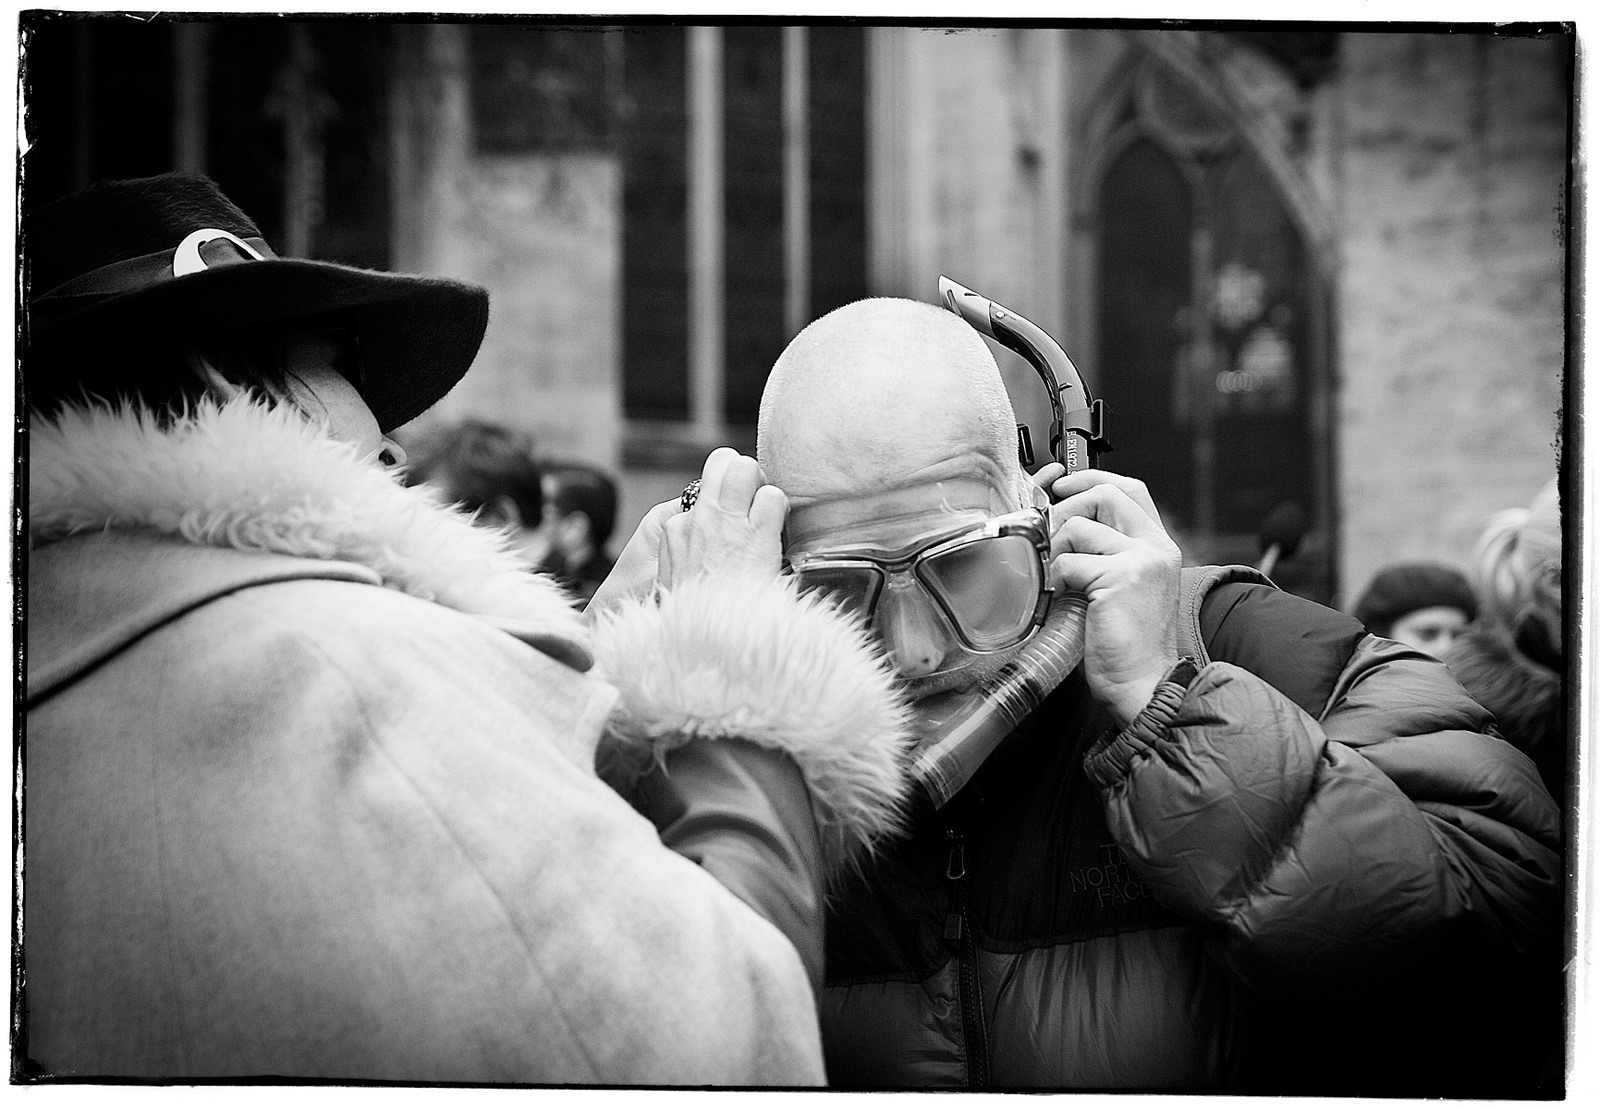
(1391, 869)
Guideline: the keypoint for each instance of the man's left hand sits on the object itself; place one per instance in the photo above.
(1108, 542)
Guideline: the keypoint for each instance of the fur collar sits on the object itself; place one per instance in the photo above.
(748, 659)
(255, 477)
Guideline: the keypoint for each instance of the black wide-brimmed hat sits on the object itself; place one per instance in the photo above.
(165, 256)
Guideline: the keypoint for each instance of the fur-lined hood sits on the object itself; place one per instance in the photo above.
(747, 658)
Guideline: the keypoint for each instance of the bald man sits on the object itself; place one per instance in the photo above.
(1244, 846)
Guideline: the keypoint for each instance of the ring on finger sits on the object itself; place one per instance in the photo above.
(691, 493)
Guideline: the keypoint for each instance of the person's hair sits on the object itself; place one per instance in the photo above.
(1517, 565)
(1403, 588)
(477, 462)
(165, 375)
(576, 487)
(1513, 661)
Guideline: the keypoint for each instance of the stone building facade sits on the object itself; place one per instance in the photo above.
(1449, 189)
(1324, 268)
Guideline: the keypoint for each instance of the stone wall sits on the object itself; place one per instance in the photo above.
(968, 168)
(1449, 193)
(542, 233)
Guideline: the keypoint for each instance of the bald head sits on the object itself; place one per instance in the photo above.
(881, 394)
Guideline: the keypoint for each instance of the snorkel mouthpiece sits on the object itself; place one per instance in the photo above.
(956, 732)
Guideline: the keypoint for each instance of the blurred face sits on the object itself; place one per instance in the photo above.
(319, 385)
(986, 590)
(532, 543)
(315, 370)
(1431, 629)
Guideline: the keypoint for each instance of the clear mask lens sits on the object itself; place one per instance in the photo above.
(990, 587)
(985, 590)
(853, 588)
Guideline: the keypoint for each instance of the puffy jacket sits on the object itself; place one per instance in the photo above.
(310, 786)
(1309, 871)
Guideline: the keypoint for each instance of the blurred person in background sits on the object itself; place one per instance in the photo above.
(580, 513)
(1513, 659)
(1425, 605)
(1244, 846)
(310, 761)
(492, 471)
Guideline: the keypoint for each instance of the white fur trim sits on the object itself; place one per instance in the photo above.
(250, 476)
(757, 660)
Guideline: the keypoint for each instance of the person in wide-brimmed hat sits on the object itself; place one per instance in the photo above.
(137, 270)
(310, 760)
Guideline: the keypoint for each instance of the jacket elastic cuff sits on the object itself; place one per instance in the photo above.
(755, 659)
(1110, 758)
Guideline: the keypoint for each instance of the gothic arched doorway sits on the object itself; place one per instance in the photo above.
(1211, 326)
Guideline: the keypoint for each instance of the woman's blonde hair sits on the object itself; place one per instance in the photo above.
(1517, 564)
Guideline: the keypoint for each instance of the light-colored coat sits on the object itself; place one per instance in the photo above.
(310, 789)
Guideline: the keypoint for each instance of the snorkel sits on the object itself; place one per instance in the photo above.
(956, 732)
(1077, 434)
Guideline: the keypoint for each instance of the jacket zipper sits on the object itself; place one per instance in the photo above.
(958, 932)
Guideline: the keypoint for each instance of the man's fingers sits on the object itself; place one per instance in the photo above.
(1076, 571)
(768, 510)
(1081, 481)
(1048, 474)
(1082, 535)
(1110, 504)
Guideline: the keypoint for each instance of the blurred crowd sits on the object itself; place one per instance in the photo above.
(1498, 626)
(557, 514)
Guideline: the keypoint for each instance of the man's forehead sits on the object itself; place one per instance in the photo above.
(891, 517)
(851, 453)
(834, 426)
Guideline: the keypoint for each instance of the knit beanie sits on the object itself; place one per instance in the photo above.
(1405, 587)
